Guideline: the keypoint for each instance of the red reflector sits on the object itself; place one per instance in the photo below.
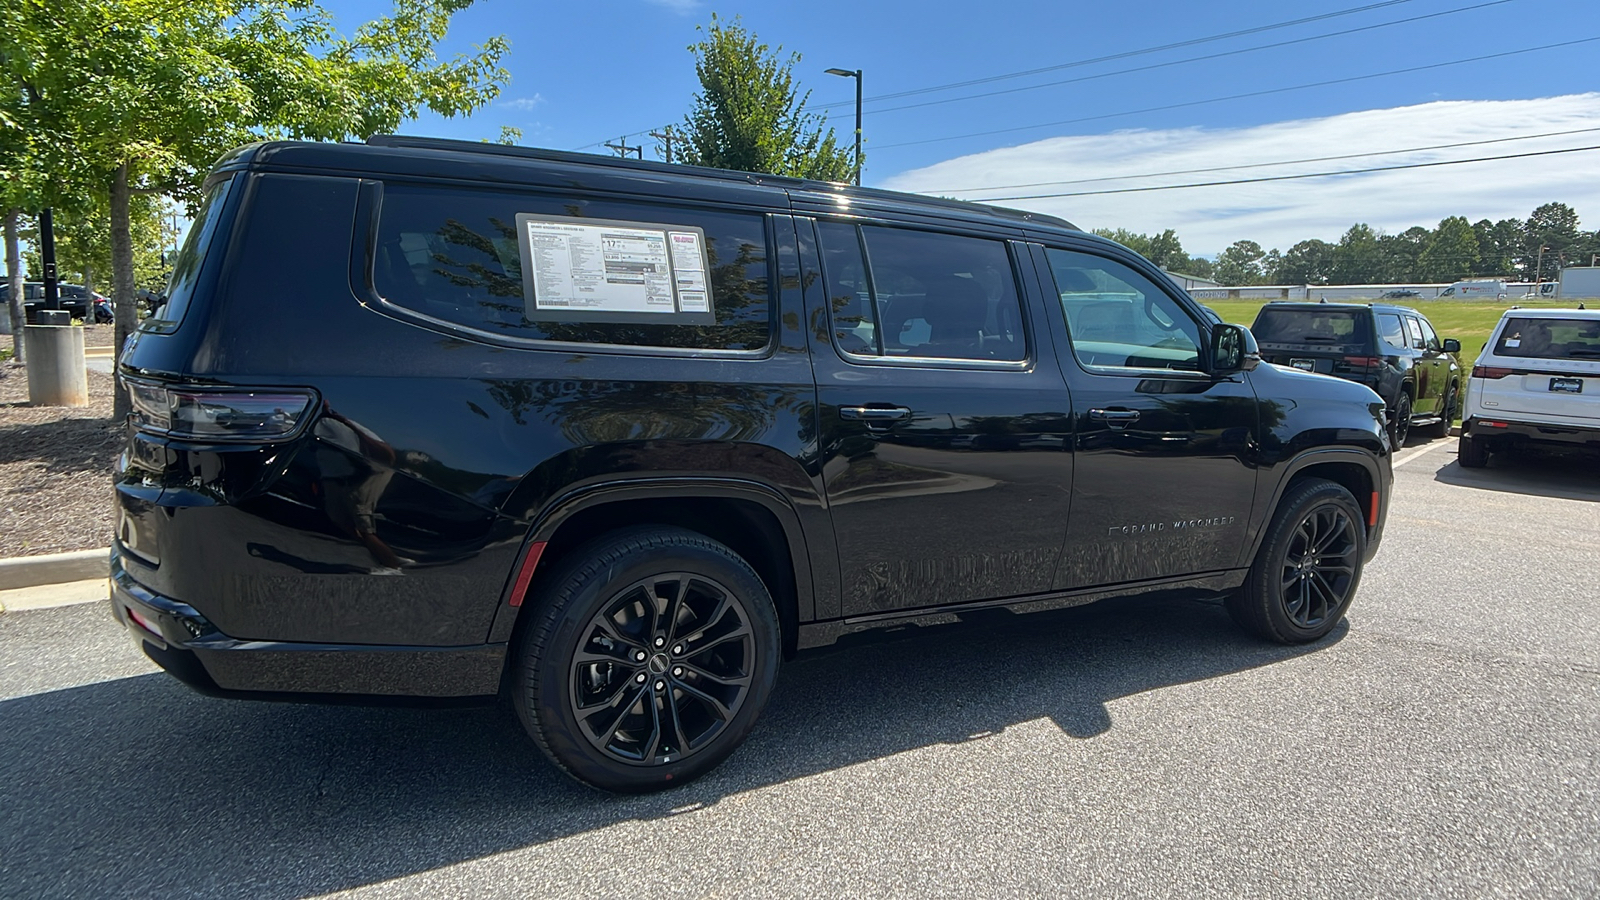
(1367, 361)
(142, 622)
(1487, 424)
(525, 574)
(1372, 511)
(1489, 372)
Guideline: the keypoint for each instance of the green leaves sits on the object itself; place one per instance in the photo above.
(747, 115)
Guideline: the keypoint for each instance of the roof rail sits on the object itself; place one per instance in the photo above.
(592, 159)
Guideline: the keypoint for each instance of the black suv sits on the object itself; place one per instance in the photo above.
(72, 297)
(440, 420)
(1391, 349)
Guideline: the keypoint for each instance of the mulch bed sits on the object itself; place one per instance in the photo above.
(56, 465)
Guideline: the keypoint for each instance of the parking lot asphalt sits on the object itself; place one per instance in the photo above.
(1444, 742)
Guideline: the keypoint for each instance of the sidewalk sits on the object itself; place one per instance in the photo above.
(49, 596)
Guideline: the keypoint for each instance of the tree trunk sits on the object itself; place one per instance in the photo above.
(14, 278)
(88, 289)
(122, 296)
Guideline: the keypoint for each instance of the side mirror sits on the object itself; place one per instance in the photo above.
(1233, 349)
(1451, 345)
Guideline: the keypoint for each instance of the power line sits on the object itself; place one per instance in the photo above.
(1127, 54)
(1261, 93)
(1185, 61)
(1124, 54)
(1286, 162)
(1173, 187)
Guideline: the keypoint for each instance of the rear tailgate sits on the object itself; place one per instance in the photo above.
(1336, 341)
(1547, 369)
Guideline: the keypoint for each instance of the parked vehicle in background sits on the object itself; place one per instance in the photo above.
(1575, 283)
(1475, 290)
(1392, 349)
(1402, 294)
(611, 438)
(1537, 382)
(103, 312)
(73, 298)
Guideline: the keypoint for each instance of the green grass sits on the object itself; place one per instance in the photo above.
(1469, 323)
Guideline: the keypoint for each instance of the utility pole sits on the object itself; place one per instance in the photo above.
(856, 74)
(1538, 269)
(622, 149)
(666, 137)
(47, 256)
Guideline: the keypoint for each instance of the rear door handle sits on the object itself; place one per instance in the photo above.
(1115, 418)
(875, 416)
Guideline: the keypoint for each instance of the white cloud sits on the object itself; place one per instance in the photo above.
(681, 7)
(521, 103)
(1278, 214)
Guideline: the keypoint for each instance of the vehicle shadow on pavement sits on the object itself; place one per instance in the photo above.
(165, 791)
(1536, 473)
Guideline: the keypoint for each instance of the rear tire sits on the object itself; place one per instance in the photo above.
(1400, 425)
(1446, 412)
(1308, 568)
(647, 661)
(1471, 452)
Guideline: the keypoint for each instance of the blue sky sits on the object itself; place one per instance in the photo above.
(583, 73)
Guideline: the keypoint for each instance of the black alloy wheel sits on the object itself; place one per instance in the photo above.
(662, 668)
(1308, 567)
(649, 654)
(1447, 412)
(1400, 426)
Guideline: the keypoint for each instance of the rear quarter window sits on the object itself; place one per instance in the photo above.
(454, 256)
(1541, 338)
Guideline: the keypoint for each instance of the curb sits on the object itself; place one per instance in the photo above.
(54, 568)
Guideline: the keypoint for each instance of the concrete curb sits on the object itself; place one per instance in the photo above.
(54, 568)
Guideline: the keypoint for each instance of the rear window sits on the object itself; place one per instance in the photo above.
(459, 256)
(1549, 338)
(1342, 327)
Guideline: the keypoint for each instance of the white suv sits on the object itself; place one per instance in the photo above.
(1537, 381)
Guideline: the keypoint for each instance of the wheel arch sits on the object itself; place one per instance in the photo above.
(753, 519)
(1358, 471)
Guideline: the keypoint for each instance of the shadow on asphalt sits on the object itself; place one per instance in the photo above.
(1570, 475)
(161, 790)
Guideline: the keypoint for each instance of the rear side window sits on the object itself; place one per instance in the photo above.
(1342, 327)
(895, 292)
(1549, 338)
(186, 268)
(1392, 332)
(454, 255)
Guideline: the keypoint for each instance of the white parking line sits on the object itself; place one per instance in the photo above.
(1419, 452)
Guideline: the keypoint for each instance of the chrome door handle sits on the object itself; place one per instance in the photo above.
(1115, 416)
(875, 415)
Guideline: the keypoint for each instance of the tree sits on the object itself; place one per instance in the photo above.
(1450, 252)
(133, 96)
(1358, 259)
(1308, 262)
(1553, 226)
(1400, 255)
(1499, 245)
(748, 116)
(1240, 264)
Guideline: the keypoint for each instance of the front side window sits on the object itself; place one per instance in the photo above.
(1429, 339)
(895, 292)
(456, 255)
(1414, 329)
(1119, 319)
(1540, 338)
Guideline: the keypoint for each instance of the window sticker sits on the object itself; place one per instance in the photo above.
(598, 270)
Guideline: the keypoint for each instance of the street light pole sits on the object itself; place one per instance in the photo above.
(856, 74)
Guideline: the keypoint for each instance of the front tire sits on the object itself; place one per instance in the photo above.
(648, 660)
(1308, 568)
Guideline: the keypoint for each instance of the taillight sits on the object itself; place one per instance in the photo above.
(1489, 372)
(219, 415)
(1365, 362)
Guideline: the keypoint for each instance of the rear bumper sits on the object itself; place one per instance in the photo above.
(180, 640)
(1512, 433)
